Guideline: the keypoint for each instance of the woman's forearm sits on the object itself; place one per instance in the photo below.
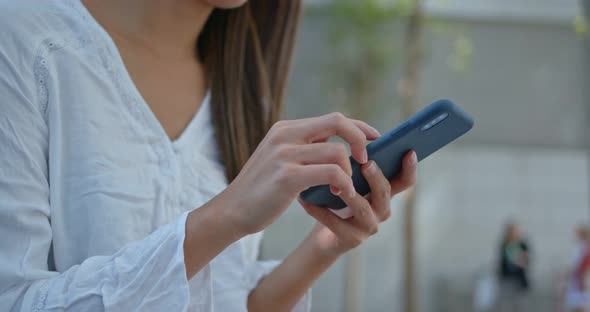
(209, 230)
(286, 284)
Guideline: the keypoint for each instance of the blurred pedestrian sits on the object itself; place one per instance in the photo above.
(576, 296)
(513, 270)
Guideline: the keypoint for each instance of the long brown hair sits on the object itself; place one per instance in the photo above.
(247, 53)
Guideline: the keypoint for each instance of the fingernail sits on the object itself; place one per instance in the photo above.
(365, 156)
(413, 159)
(336, 191)
(375, 131)
(372, 168)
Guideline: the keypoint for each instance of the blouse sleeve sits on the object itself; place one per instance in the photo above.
(145, 275)
(259, 269)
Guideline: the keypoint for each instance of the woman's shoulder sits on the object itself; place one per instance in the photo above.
(25, 24)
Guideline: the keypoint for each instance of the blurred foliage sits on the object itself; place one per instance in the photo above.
(362, 45)
(580, 25)
(459, 59)
(365, 23)
(365, 44)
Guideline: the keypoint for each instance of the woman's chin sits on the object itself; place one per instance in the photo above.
(226, 4)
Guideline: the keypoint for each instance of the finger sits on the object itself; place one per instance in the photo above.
(380, 189)
(311, 175)
(323, 153)
(407, 176)
(342, 228)
(323, 127)
(370, 132)
(363, 213)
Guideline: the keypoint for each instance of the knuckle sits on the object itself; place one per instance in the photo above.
(355, 241)
(273, 138)
(365, 208)
(279, 124)
(284, 151)
(407, 183)
(383, 194)
(276, 131)
(338, 151)
(374, 229)
(337, 115)
(333, 172)
(285, 174)
(386, 214)
(338, 118)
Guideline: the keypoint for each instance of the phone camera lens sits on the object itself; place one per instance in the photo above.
(435, 121)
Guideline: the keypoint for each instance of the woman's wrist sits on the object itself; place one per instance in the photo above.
(286, 284)
(227, 214)
(208, 231)
(317, 245)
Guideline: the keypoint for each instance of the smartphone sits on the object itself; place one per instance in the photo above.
(435, 126)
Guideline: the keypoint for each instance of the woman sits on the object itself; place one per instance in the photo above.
(576, 294)
(119, 118)
(513, 269)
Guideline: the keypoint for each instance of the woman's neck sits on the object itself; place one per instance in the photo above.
(168, 28)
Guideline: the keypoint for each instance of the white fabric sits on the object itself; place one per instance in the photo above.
(93, 194)
(486, 292)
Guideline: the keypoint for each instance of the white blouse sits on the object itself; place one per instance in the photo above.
(93, 194)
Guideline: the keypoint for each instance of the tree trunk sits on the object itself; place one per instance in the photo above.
(586, 8)
(354, 281)
(409, 90)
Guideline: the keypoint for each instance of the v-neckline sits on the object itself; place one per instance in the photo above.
(153, 121)
(199, 118)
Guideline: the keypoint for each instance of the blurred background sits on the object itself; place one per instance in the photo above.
(522, 69)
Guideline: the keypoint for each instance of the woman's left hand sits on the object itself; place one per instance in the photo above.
(333, 236)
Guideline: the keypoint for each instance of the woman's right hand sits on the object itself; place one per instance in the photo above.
(294, 156)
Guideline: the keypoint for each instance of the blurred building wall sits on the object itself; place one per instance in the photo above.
(524, 160)
(469, 193)
(525, 83)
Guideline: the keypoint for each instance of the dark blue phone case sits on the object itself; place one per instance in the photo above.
(389, 150)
